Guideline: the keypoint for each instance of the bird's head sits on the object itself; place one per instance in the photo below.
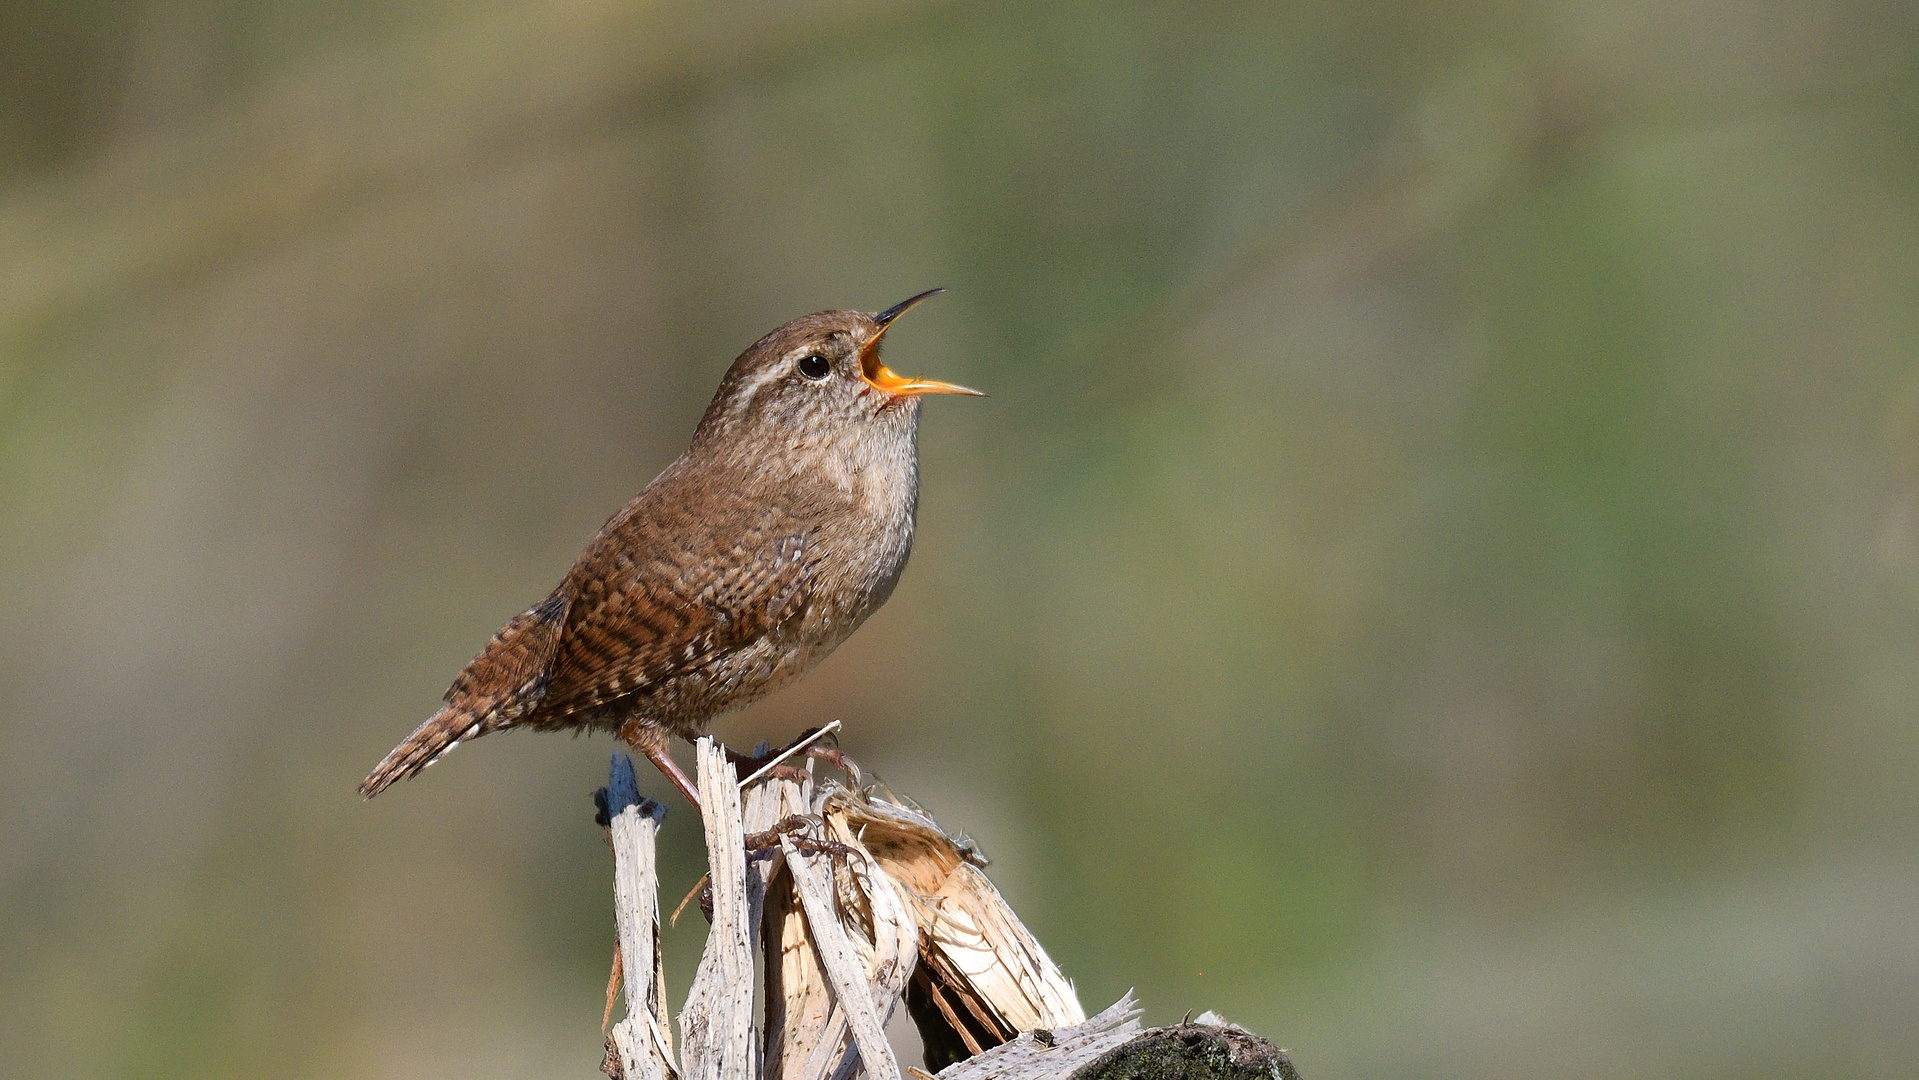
(819, 374)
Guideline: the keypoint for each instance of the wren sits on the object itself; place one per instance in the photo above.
(765, 545)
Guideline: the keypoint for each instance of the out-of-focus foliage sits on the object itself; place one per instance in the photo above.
(1437, 579)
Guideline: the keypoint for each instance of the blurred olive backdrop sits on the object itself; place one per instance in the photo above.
(1437, 578)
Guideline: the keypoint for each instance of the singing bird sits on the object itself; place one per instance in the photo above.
(767, 543)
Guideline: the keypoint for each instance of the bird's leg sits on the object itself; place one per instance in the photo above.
(824, 743)
(814, 742)
(650, 740)
(665, 763)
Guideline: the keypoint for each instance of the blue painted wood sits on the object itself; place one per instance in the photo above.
(623, 790)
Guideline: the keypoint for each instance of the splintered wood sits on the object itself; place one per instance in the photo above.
(854, 902)
(717, 1021)
(982, 977)
(639, 1044)
(1054, 1055)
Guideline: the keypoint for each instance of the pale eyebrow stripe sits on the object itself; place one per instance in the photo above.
(752, 388)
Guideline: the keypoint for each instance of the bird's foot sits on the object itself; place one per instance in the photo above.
(832, 756)
(819, 742)
(781, 772)
(797, 828)
(792, 825)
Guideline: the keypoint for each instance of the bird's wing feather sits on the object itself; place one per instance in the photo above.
(638, 619)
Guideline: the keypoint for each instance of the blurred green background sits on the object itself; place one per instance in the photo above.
(1437, 579)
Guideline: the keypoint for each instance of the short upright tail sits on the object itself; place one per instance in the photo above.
(430, 742)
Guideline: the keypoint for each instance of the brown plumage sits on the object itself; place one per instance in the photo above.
(783, 526)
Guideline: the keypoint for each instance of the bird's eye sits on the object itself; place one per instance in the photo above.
(815, 367)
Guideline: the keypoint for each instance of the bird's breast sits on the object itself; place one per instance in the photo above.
(864, 540)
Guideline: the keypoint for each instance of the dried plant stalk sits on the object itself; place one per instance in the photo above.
(853, 993)
(717, 1020)
(639, 1046)
(646, 1050)
(799, 1000)
(982, 976)
(1058, 1054)
(863, 902)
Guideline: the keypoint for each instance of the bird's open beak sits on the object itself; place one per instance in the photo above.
(884, 380)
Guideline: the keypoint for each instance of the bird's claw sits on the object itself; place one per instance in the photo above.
(796, 828)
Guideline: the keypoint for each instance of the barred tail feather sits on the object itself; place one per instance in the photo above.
(430, 742)
(499, 688)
